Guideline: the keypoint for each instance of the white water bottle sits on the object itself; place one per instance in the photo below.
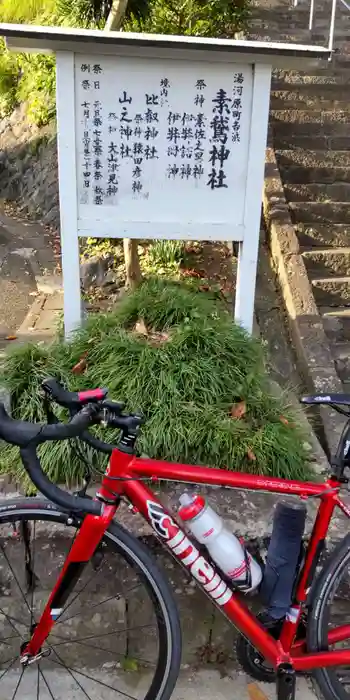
(223, 546)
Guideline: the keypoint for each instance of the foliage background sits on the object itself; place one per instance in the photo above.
(31, 78)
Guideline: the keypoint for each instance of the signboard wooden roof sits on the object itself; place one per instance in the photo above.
(52, 39)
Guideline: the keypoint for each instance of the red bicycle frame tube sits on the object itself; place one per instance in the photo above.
(123, 478)
(83, 548)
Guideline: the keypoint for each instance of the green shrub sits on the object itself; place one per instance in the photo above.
(23, 11)
(185, 376)
(37, 87)
(9, 74)
(28, 78)
(165, 254)
(213, 18)
(83, 13)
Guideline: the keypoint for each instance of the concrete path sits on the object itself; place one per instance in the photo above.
(26, 258)
(17, 284)
(192, 685)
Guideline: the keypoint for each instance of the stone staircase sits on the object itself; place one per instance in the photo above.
(310, 123)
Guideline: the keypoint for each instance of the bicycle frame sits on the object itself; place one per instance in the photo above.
(123, 477)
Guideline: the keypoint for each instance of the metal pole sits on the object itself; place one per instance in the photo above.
(311, 16)
(331, 28)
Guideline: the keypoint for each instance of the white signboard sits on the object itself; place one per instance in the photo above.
(162, 146)
(160, 137)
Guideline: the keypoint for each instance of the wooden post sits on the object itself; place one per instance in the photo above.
(131, 256)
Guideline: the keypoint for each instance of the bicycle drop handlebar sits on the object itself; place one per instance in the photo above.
(86, 409)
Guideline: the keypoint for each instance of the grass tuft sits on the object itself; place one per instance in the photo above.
(186, 385)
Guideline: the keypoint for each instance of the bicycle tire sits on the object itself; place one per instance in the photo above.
(326, 680)
(121, 542)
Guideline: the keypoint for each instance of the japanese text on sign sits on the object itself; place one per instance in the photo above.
(164, 131)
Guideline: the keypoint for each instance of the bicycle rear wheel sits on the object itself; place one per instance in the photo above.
(331, 609)
(119, 633)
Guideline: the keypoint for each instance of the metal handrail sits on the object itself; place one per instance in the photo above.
(332, 22)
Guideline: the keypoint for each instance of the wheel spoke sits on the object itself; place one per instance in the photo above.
(107, 651)
(9, 618)
(90, 678)
(12, 661)
(5, 641)
(59, 621)
(96, 605)
(18, 684)
(80, 668)
(104, 634)
(71, 674)
(16, 579)
(46, 683)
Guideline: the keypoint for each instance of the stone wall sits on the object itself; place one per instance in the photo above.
(28, 167)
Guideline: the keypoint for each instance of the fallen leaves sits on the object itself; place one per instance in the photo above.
(238, 410)
(192, 248)
(154, 337)
(11, 337)
(191, 272)
(255, 693)
(81, 365)
(251, 456)
(141, 328)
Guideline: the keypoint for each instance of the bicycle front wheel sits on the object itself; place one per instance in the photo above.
(119, 633)
(330, 609)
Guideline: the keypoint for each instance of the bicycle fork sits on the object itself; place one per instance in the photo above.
(83, 548)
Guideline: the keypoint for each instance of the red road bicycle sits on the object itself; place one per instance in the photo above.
(43, 644)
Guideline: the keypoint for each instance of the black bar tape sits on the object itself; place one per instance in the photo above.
(61, 498)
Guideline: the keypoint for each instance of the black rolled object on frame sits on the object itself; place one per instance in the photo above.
(282, 558)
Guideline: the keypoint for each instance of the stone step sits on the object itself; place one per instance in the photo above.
(309, 143)
(292, 23)
(329, 261)
(320, 212)
(300, 35)
(341, 355)
(326, 235)
(293, 99)
(299, 166)
(341, 351)
(283, 37)
(323, 193)
(302, 9)
(333, 71)
(314, 159)
(319, 37)
(321, 121)
(299, 12)
(331, 291)
(322, 74)
(336, 322)
(335, 90)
